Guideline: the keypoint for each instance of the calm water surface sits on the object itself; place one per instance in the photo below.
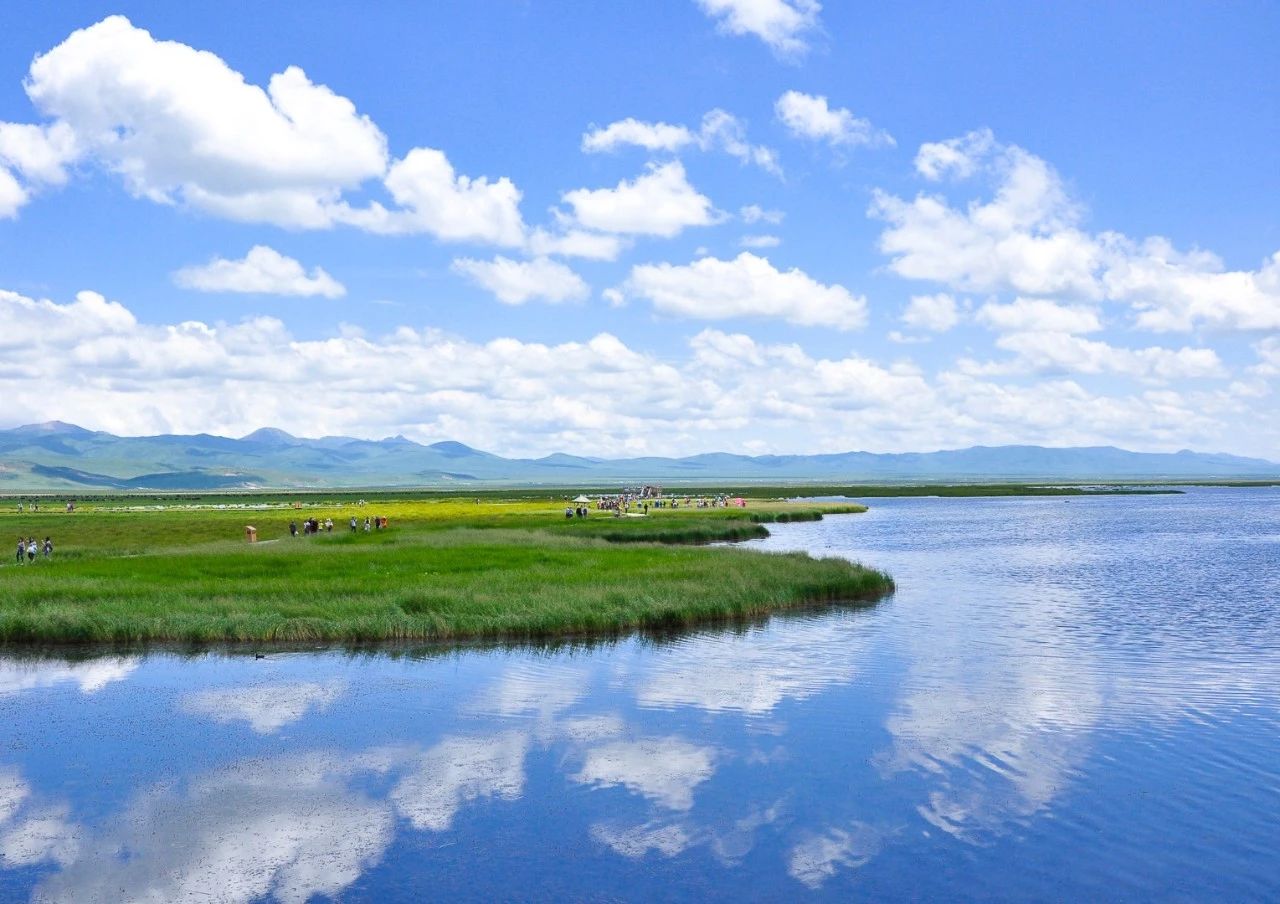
(1065, 700)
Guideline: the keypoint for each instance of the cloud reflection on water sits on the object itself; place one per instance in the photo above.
(17, 675)
(268, 707)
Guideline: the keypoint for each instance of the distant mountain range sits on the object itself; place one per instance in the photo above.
(58, 456)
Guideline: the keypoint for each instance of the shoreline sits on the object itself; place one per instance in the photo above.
(449, 574)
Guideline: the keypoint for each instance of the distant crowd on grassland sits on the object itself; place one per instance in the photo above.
(315, 526)
(35, 507)
(621, 503)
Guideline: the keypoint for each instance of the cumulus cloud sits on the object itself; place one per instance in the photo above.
(1175, 292)
(784, 25)
(575, 243)
(262, 271)
(39, 154)
(747, 286)
(1025, 315)
(1028, 239)
(1024, 239)
(80, 358)
(1049, 352)
(170, 121)
(515, 282)
(12, 195)
(811, 116)
(934, 313)
(759, 241)
(661, 202)
(720, 131)
(435, 199)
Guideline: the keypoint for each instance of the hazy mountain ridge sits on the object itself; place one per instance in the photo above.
(58, 456)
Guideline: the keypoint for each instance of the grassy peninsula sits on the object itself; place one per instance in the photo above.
(131, 570)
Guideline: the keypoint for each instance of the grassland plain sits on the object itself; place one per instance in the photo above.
(131, 570)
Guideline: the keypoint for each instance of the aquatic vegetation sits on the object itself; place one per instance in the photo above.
(442, 569)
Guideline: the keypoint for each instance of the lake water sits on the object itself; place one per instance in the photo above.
(1065, 700)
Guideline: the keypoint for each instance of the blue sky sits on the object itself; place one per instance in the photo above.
(674, 227)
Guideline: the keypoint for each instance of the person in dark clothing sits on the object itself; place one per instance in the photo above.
(293, 528)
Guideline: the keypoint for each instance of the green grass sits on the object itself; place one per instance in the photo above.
(447, 569)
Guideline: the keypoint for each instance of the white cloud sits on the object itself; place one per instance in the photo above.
(725, 132)
(1181, 292)
(40, 154)
(263, 271)
(266, 708)
(12, 195)
(435, 199)
(754, 213)
(1023, 240)
(660, 202)
(759, 241)
(652, 136)
(1025, 315)
(515, 282)
(960, 157)
(665, 770)
(720, 131)
(1027, 239)
(810, 116)
(1268, 351)
(934, 313)
(747, 286)
(575, 243)
(784, 25)
(1046, 352)
(77, 360)
(170, 121)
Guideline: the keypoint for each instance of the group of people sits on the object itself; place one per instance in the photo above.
(312, 526)
(35, 507)
(315, 526)
(28, 549)
(575, 512)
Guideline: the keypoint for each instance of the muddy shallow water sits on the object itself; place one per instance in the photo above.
(1066, 699)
